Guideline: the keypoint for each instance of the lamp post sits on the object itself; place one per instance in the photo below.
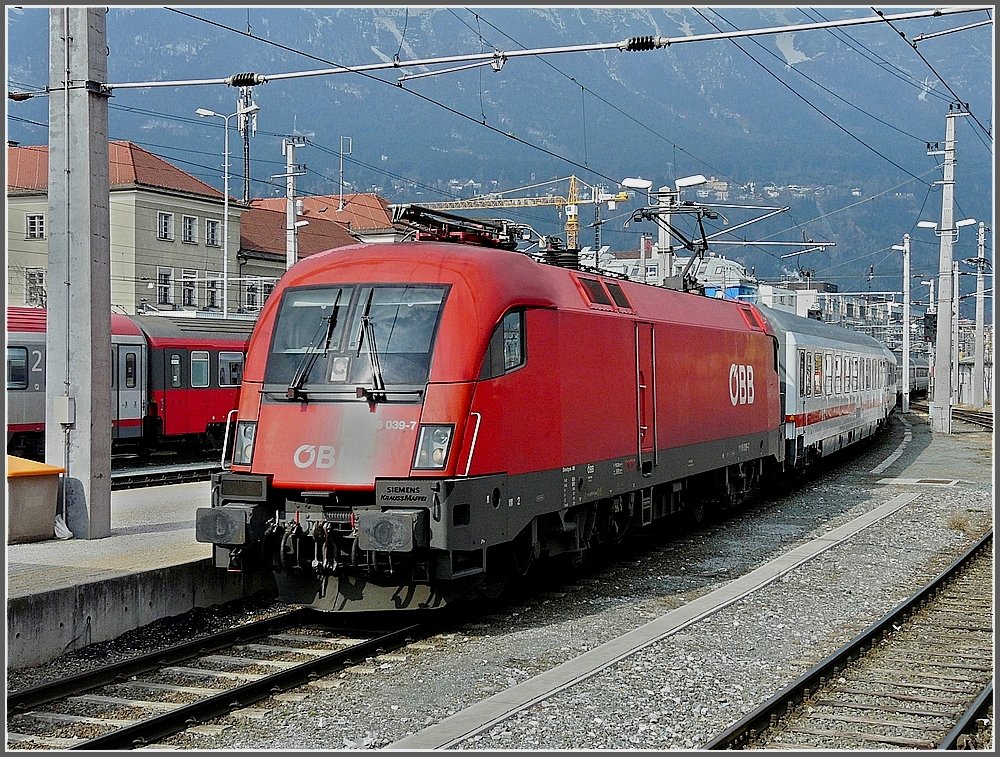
(941, 400)
(905, 249)
(204, 113)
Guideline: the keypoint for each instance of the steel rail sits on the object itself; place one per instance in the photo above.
(976, 710)
(25, 699)
(149, 730)
(759, 720)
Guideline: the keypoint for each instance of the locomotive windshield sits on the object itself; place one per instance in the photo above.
(323, 337)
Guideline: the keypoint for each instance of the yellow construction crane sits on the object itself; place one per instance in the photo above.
(569, 202)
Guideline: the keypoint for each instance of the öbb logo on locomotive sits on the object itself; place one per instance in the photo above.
(741, 390)
(318, 455)
(396, 396)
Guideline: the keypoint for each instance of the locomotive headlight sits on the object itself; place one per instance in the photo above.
(433, 446)
(246, 432)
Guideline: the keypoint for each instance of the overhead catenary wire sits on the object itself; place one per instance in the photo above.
(521, 140)
(888, 20)
(631, 44)
(816, 108)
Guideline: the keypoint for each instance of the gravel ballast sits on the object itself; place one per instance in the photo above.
(675, 693)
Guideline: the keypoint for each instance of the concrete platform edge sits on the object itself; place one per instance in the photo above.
(40, 627)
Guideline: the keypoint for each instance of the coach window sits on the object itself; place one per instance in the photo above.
(854, 376)
(175, 370)
(17, 367)
(818, 374)
(131, 370)
(828, 372)
(506, 350)
(802, 372)
(230, 368)
(837, 384)
(807, 375)
(199, 368)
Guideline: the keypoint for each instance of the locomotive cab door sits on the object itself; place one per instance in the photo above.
(645, 402)
(128, 385)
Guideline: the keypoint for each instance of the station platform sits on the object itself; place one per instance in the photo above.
(64, 594)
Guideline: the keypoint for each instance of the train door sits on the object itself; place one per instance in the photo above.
(645, 397)
(173, 415)
(128, 387)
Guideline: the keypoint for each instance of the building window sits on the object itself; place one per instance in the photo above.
(189, 229)
(213, 288)
(165, 226)
(189, 288)
(212, 233)
(164, 286)
(252, 296)
(266, 287)
(34, 287)
(34, 224)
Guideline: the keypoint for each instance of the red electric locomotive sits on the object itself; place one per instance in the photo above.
(422, 419)
(172, 380)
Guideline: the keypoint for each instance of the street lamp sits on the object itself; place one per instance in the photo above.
(204, 113)
(941, 400)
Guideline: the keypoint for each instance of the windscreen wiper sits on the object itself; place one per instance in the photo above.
(294, 390)
(367, 330)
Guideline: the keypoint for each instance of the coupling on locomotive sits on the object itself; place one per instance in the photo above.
(422, 420)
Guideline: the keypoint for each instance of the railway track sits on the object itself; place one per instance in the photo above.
(976, 417)
(921, 678)
(134, 703)
(135, 477)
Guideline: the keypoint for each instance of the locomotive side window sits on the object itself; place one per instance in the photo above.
(506, 350)
(618, 295)
(595, 292)
(131, 370)
(199, 368)
(230, 368)
(17, 367)
(175, 370)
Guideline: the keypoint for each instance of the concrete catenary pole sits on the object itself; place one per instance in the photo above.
(978, 366)
(292, 170)
(905, 249)
(940, 405)
(78, 391)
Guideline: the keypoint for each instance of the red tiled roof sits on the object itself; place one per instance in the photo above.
(362, 212)
(263, 230)
(129, 165)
